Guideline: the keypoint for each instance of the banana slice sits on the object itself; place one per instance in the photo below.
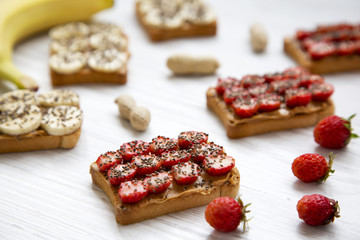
(104, 40)
(25, 96)
(67, 62)
(74, 44)
(109, 60)
(61, 120)
(58, 97)
(74, 29)
(111, 29)
(20, 118)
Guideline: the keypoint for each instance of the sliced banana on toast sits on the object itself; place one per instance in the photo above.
(104, 40)
(58, 97)
(23, 95)
(109, 60)
(67, 62)
(20, 118)
(74, 29)
(61, 120)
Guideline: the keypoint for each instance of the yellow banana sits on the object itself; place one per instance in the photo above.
(22, 18)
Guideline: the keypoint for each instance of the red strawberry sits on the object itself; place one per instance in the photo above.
(294, 72)
(120, 173)
(321, 49)
(346, 48)
(133, 148)
(245, 108)
(146, 164)
(226, 83)
(172, 158)
(162, 144)
(271, 77)
(218, 165)
(190, 138)
(259, 90)
(200, 151)
(225, 213)
(281, 86)
(307, 43)
(251, 80)
(312, 167)
(158, 182)
(269, 102)
(185, 173)
(133, 191)
(307, 80)
(297, 97)
(334, 132)
(321, 92)
(317, 209)
(234, 93)
(108, 160)
(301, 34)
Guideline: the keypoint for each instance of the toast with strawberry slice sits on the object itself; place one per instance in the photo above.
(327, 49)
(163, 177)
(258, 104)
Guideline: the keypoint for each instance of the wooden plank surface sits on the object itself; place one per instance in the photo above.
(49, 194)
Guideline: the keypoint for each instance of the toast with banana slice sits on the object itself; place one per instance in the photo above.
(33, 122)
(88, 53)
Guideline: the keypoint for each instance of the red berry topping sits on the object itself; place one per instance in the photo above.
(158, 182)
(334, 132)
(133, 191)
(226, 83)
(146, 164)
(225, 213)
(321, 92)
(295, 72)
(162, 144)
(190, 138)
(259, 90)
(245, 108)
(172, 158)
(218, 165)
(185, 173)
(281, 86)
(346, 48)
(302, 34)
(133, 148)
(200, 151)
(108, 160)
(252, 80)
(312, 167)
(234, 93)
(269, 102)
(120, 173)
(271, 77)
(317, 209)
(297, 97)
(307, 80)
(321, 49)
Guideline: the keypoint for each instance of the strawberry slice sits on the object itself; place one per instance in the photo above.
(172, 158)
(245, 108)
(269, 102)
(252, 80)
(189, 138)
(200, 151)
(185, 173)
(226, 83)
(302, 34)
(321, 49)
(234, 93)
(108, 160)
(162, 144)
(120, 173)
(295, 72)
(307, 43)
(306, 80)
(133, 191)
(281, 86)
(158, 182)
(346, 48)
(218, 165)
(271, 77)
(259, 90)
(133, 148)
(297, 97)
(146, 164)
(321, 92)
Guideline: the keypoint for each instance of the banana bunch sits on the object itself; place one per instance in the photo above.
(22, 18)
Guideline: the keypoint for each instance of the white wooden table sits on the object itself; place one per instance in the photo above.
(49, 194)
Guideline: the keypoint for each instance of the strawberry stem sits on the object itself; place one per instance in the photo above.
(347, 124)
(329, 170)
(244, 212)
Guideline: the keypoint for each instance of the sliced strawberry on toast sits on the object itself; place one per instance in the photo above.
(226, 83)
(321, 92)
(133, 191)
(269, 102)
(162, 144)
(185, 173)
(146, 164)
(321, 49)
(200, 151)
(297, 97)
(158, 182)
(108, 160)
(190, 138)
(252, 80)
(307, 80)
(174, 157)
(121, 173)
(245, 108)
(234, 93)
(134, 148)
(217, 165)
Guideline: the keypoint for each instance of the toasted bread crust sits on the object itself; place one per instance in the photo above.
(135, 214)
(243, 129)
(329, 64)
(157, 34)
(37, 140)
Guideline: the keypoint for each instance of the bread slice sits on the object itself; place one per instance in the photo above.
(175, 198)
(37, 140)
(282, 119)
(186, 30)
(329, 64)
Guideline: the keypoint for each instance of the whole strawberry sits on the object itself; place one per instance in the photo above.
(225, 213)
(317, 209)
(334, 132)
(312, 167)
